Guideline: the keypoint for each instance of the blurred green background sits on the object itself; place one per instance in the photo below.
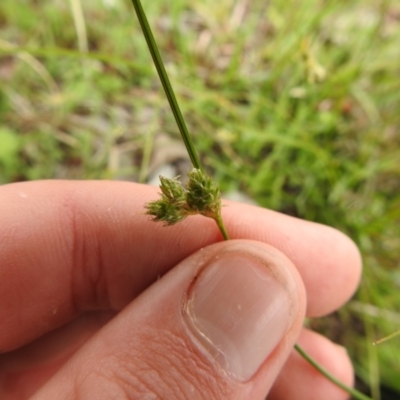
(294, 103)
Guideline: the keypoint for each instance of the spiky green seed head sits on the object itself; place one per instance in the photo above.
(165, 211)
(202, 194)
(172, 189)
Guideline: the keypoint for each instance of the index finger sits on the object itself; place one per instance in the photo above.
(67, 247)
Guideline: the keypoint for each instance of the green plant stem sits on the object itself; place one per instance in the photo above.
(166, 83)
(391, 336)
(196, 163)
(221, 227)
(355, 393)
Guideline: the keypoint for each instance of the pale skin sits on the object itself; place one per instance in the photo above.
(74, 254)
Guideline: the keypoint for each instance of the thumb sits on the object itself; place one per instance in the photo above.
(220, 325)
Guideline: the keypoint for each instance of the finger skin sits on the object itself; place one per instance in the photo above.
(25, 370)
(68, 247)
(299, 380)
(149, 351)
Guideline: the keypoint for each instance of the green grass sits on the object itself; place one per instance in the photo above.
(296, 103)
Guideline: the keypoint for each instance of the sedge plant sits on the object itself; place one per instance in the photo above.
(201, 195)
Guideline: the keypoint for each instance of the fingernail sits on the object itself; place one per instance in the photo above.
(241, 306)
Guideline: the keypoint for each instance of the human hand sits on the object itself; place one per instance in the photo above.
(84, 315)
